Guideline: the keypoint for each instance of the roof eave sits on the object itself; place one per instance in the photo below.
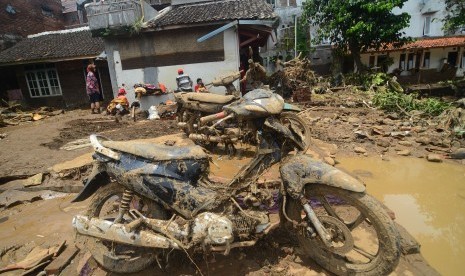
(23, 62)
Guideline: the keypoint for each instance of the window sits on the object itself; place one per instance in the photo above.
(463, 60)
(427, 26)
(410, 61)
(426, 60)
(271, 2)
(371, 62)
(402, 62)
(42, 80)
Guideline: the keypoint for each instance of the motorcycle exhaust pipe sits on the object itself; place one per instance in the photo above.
(212, 117)
(107, 230)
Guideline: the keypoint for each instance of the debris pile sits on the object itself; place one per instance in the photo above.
(14, 115)
(296, 80)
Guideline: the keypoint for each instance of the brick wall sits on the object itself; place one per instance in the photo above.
(30, 16)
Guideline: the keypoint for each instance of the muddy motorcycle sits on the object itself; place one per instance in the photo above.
(194, 106)
(150, 199)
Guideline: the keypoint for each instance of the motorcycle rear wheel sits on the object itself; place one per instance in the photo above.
(364, 217)
(118, 257)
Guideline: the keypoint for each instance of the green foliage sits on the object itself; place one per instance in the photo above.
(455, 16)
(395, 102)
(303, 36)
(357, 25)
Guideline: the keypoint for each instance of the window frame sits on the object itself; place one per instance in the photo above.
(52, 82)
(427, 22)
(426, 60)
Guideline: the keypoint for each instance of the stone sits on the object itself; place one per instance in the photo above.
(360, 150)
(405, 128)
(406, 143)
(353, 120)
(383, 143)
(399, 134)
(423, 140)
(404, 152)
(327, 120)
(393, 116)
(361, 134)
(329, 161)
(458, 154)
(434, 158)
(33, 180)
(388, 122)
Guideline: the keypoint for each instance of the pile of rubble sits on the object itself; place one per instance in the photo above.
(296, 80)
(14, 115)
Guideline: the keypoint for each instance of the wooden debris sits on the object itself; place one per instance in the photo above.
(57, 265)
(13, 115)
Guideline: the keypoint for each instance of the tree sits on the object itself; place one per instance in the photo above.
(455, 17)
(357, 25)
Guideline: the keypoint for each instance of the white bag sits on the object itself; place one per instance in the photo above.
(153, 113)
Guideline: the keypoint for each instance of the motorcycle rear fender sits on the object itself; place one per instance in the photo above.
(96, 179)
(301, 170)
(291, 107)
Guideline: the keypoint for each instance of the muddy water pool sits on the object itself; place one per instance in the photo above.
(428, 200)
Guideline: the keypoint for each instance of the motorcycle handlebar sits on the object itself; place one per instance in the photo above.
(212, 117)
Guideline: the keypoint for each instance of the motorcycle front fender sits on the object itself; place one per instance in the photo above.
(96, 179)
(300, 170)
(291, 107)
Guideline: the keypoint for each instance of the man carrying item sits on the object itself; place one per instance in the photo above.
(183, 81)
(255, 75)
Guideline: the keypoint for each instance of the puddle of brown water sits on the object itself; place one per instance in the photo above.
(428, 199)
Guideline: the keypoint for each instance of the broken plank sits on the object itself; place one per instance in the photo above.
(62, 260)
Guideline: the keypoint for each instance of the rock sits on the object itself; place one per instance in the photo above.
(360, 150)
(329, 161)
(399, 134)
(361, 134)
(383, 143)
(434, 158)
(458, 154)
(423, 140)
(33, 180)
(388, 122)
(353, 120)
(377, 130)
(393, 116)
(327, 120)
(405, 128)
(3, 136)
(404, 152)
(406, 143)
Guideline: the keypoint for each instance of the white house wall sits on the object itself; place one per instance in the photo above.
(167, 74)
(418, 10)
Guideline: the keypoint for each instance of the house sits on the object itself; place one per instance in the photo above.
(19, 18)
(289, 13)
(433, 56)
(203, 37)
(49, 69)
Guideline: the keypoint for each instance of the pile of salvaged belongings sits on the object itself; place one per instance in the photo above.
(142, 89)
(14, 115)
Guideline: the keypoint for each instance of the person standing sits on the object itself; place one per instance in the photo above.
(93, 90)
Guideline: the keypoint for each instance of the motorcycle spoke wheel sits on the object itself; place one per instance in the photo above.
(115, 257)
(373, 245)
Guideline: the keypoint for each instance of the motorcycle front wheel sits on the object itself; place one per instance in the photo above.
(364, 239)
(120, 258)
(298, 126)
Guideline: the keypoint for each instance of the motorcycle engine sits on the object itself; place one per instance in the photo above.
(211, 228)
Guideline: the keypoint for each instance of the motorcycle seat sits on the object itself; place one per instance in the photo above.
(156, 152)
(210, 98)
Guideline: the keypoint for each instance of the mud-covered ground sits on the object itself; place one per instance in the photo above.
(345, 122)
